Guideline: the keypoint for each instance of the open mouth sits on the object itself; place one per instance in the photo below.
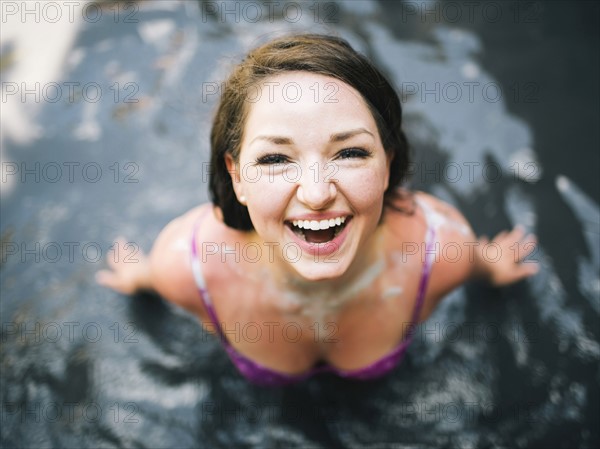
(322, 231)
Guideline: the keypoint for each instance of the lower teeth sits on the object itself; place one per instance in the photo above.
(338, 229)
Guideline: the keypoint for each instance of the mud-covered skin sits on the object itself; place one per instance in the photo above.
(490, 368)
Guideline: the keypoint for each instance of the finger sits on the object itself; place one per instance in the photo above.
(501, 235)
(510, 238)
(106, 278)
(519, 273)
(527, 269)
(116, 251)
(111, 280)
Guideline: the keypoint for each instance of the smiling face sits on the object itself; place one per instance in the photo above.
(312, 171)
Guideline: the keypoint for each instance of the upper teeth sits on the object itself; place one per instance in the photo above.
(318, 225)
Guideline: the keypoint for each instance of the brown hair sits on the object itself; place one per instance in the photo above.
(321, 54)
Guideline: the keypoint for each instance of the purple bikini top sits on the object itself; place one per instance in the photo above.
(261, 375)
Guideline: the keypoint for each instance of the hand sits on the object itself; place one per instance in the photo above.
(504, 263)
(128, 272)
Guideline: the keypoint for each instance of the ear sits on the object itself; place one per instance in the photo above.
(234, 171)
(232, 168)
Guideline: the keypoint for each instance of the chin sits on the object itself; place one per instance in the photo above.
(322, 270)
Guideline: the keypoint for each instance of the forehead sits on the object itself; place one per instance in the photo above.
(307, 103)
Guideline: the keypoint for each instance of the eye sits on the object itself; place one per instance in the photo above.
(270, 159)
(349, 153)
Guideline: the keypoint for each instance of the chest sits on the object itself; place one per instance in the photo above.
(290, 334)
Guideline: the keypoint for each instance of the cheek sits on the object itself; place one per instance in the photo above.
(364, 187)
(268, 197)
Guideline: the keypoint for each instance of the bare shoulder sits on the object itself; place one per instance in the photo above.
(413, 212)
(170, 261)
(449, 223)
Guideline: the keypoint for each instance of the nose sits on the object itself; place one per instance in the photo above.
(315, 191)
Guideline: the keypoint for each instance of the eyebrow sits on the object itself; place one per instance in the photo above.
(338, 137)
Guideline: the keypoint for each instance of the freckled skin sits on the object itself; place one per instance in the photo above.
(360, 183)
(367, 294)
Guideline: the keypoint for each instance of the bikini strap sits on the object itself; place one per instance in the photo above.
(427, 262)
(196, 267)
(199, 278)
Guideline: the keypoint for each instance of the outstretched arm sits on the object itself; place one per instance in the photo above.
(166, 270)
(499, 261)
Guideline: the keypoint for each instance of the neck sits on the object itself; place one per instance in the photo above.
(328, 297)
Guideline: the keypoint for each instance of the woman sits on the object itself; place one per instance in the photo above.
(311, 258)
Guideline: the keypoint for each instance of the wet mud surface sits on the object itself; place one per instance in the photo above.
(515, 367)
